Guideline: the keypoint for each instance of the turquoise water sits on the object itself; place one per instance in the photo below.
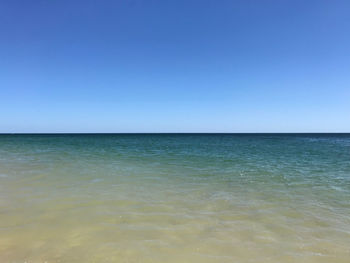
(175, 198)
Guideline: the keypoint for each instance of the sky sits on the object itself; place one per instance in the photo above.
(174, 66)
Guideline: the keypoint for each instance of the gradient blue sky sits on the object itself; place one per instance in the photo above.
(175, 66)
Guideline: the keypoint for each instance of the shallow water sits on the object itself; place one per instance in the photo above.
(175, 198)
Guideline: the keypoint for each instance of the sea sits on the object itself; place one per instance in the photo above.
(161, 198)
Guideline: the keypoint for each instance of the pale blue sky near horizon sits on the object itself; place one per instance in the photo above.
(174, 66)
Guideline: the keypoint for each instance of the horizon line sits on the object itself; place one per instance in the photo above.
(150, 133)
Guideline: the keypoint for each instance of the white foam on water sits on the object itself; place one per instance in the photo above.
(96, 180)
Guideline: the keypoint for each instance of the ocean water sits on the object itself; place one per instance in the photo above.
(175, 198)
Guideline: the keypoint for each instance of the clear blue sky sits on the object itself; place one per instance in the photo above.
(175, 66)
